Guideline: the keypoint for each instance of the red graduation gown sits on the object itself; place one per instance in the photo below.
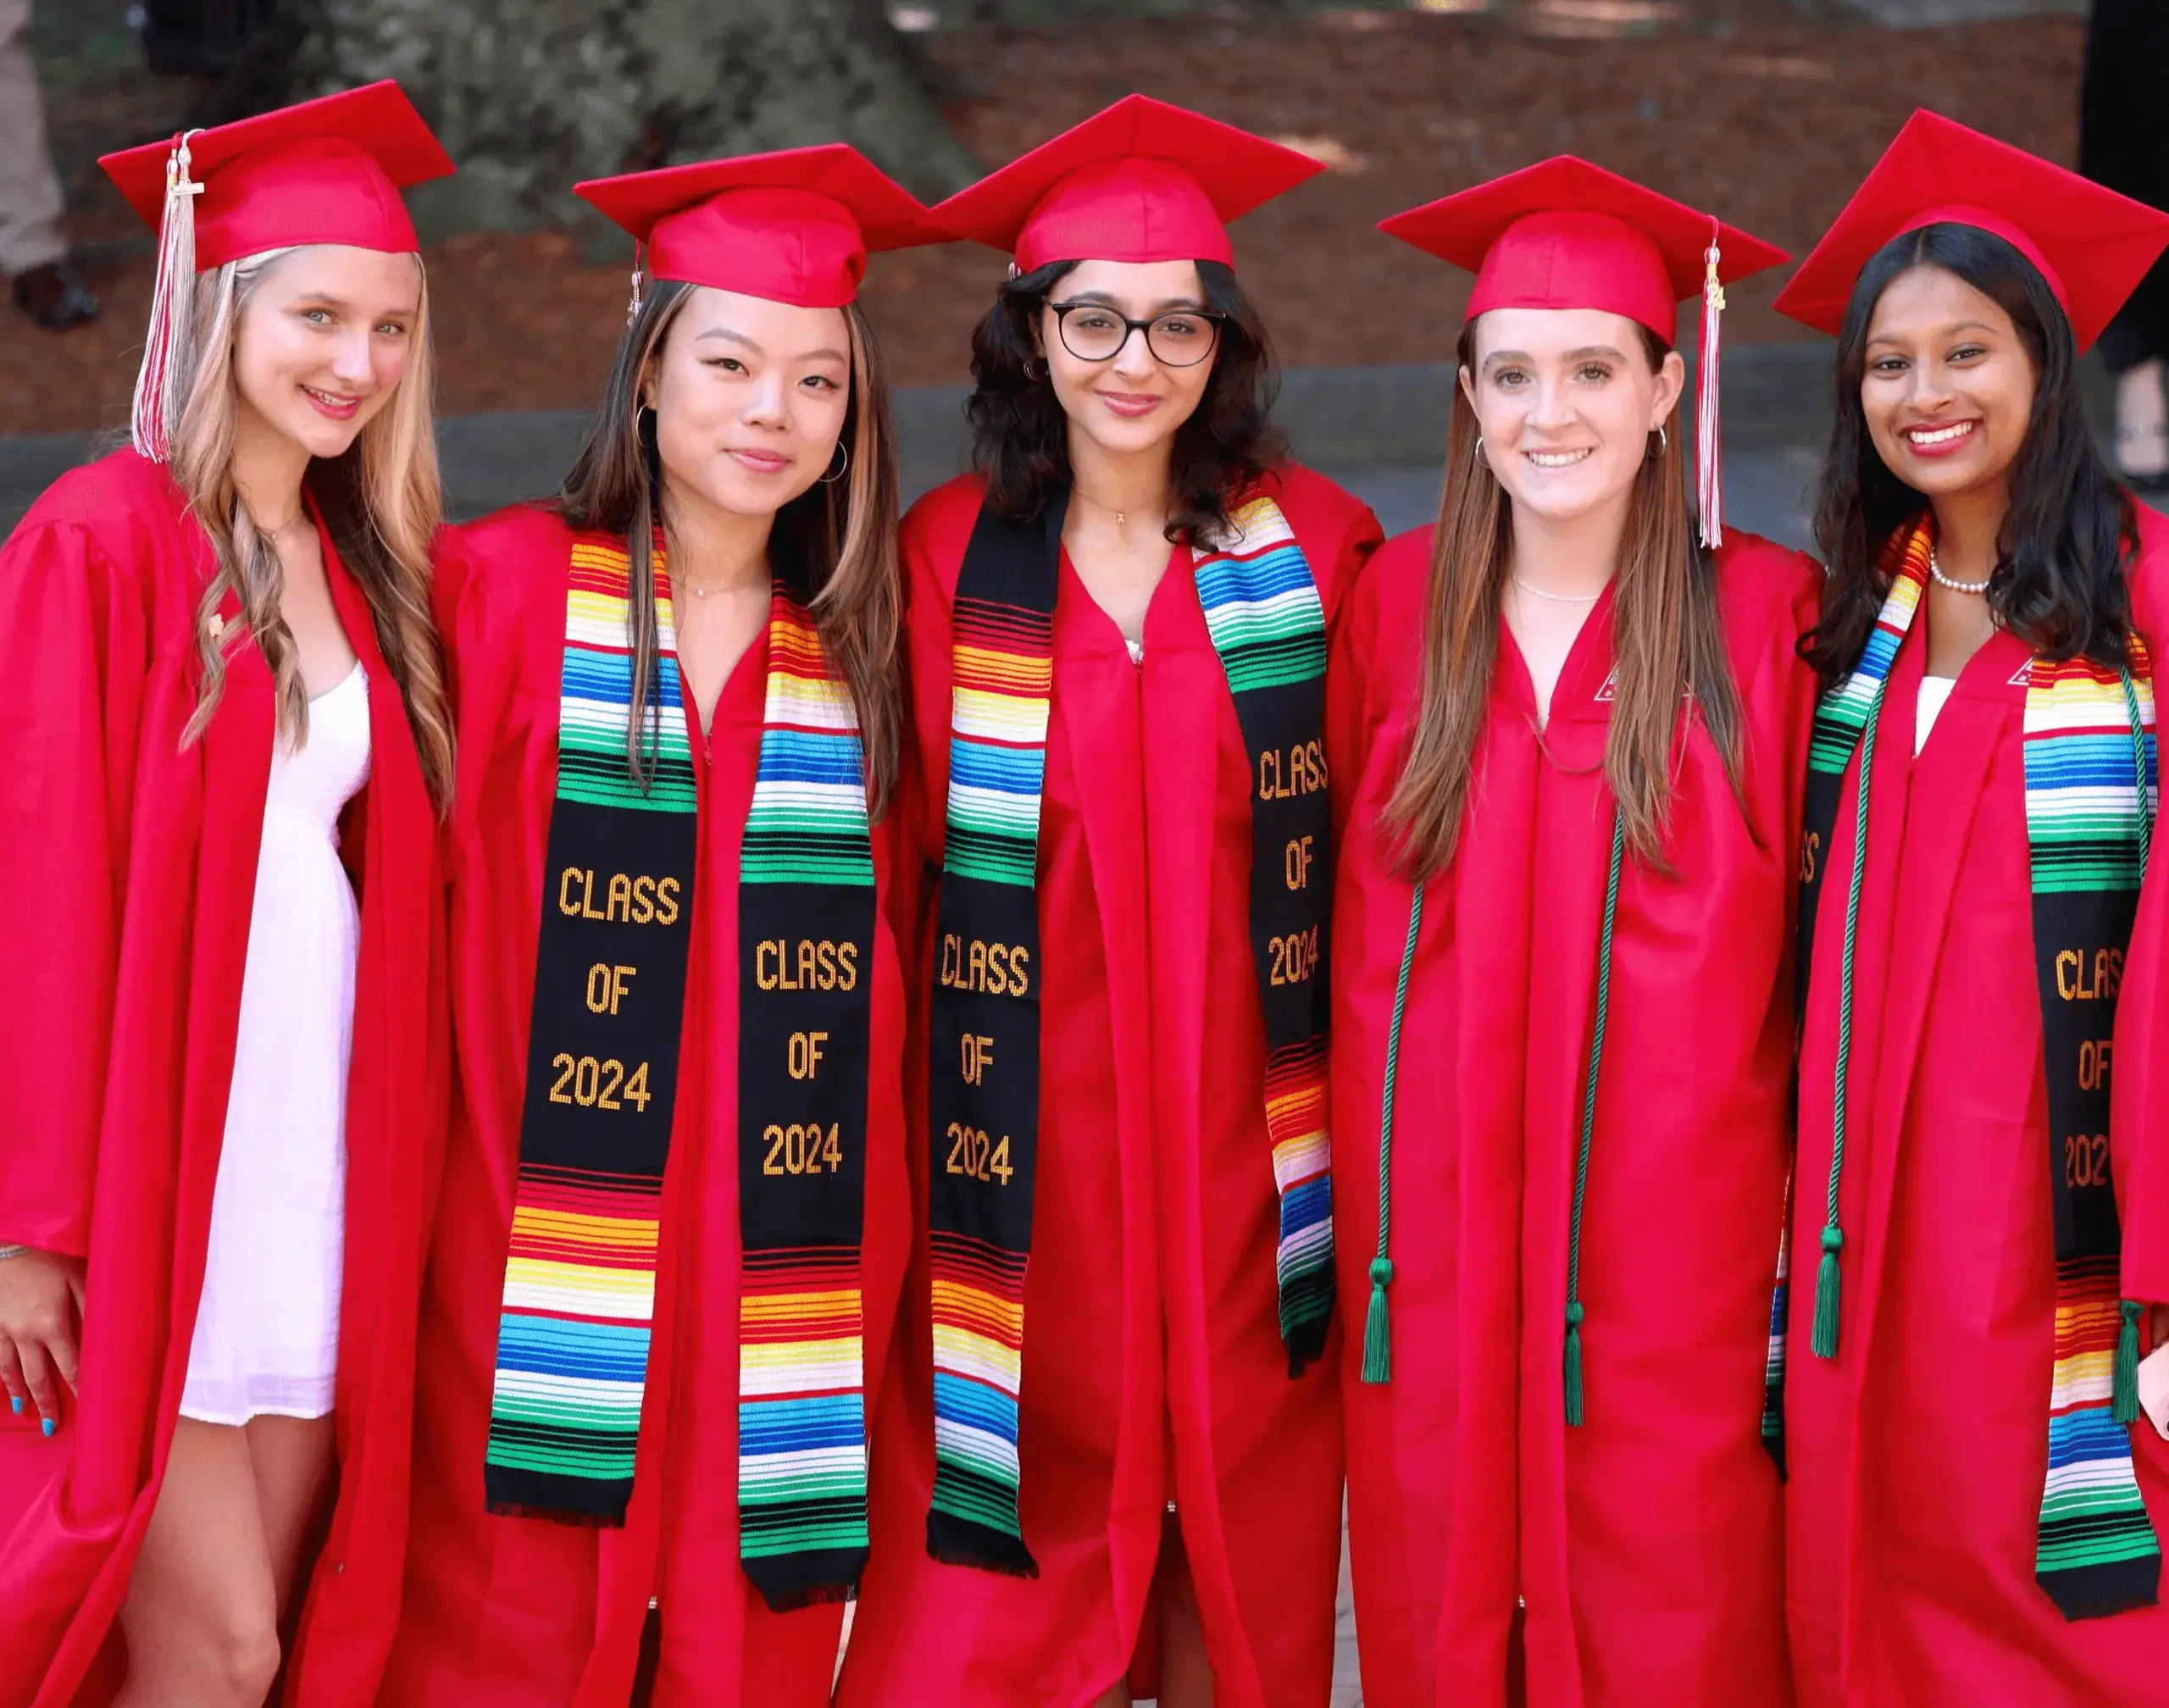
(523, 1612)
(1917, 1455)
(1646, 1542)
(1153, 1369)
(130, 865)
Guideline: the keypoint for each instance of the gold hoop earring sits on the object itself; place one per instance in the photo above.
(1664, 444)
(844, 451)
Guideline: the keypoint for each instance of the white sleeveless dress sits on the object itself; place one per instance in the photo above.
(267, 1329)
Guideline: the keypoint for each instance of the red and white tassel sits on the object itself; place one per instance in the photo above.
(1709, 440)
(173, 301)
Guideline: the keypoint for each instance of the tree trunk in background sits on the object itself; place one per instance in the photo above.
(530, 96)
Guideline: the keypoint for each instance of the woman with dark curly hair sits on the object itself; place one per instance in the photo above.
(1108, 1450)
(1971, 1517)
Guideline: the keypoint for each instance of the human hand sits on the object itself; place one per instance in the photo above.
(40, 1302)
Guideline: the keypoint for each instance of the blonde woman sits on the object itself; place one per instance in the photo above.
(224, 734)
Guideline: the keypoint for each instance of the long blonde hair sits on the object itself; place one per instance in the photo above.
(381, 501)
(1668, 644)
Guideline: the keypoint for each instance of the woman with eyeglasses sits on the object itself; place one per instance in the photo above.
(1979, 1221)
(1108, 1455)
(1569, 722)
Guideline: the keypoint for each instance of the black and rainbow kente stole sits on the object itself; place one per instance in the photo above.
(2091, 785)
(602, 1071)
(806, 916)
(1267, 626)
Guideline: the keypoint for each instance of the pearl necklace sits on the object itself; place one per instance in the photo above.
(1976, 588)
(1559, 598)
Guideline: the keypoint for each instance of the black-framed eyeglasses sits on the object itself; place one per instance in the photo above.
(1094, 332)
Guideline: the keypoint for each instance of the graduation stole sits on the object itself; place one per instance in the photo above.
(602, 1066)
(806, 914)
(602, 1071)
(1268, 625)
(2090, 789)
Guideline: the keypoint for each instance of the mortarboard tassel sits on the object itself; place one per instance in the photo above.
(1709, 486)
(632, 311)
(173, 302)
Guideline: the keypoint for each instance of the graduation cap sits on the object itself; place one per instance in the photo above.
(326, 171)
(1566, 234)
(2091, 245)
(1141, 181)
(793, 227)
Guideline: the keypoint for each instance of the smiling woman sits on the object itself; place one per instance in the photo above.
(1975, 1511)
(1109, 1405)
(225, 719)
(1565, 746)
(674, 1215)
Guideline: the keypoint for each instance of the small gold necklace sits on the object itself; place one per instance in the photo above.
(1122, 517)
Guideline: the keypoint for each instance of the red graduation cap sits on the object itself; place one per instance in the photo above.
(793, 227)
(1140, 180)
(2091, 245)
(324, 171)
(1566, 234)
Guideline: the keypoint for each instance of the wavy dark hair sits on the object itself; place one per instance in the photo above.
(1020, 437)
(2058, 583)
(833, 545)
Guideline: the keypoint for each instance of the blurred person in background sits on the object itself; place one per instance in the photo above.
(676, 1212)
(226, 744)
(1109, 1456)
(1981, 1199)
(1568, 737)
(33, 254)
(2123, 144)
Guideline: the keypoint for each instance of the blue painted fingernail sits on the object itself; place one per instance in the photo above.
(16, 1400)
(48, 1426)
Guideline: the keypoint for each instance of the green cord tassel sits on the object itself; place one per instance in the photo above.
(1825, 1341)
(1378, 1333)
(1574, 1366)
(2124, 1389)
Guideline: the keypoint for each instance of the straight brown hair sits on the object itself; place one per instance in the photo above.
(1667, 642)
(834, 547)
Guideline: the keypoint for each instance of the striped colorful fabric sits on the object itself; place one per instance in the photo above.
(978, 1351)
(802, 1399)
(807, 822)
(572, 1338)
(1773, 1367)
(1262, 606)
(2091, 1515)
(580, 1274)
(2091, 790)
(1842, 713)
(1268, 625)
(597, 690)
(1000, 702)
(1002, 687)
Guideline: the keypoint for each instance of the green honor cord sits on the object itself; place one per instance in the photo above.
(2123, 1401)
(1573, 1373)
(1378, 1333)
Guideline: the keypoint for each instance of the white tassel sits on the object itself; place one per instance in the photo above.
(1709, 442)
(173, 301)
(632, 311)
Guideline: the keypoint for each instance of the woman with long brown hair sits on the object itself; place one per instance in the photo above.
(1566, 737)
(673, 1221)
(1109, 1453)
(224, 725)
